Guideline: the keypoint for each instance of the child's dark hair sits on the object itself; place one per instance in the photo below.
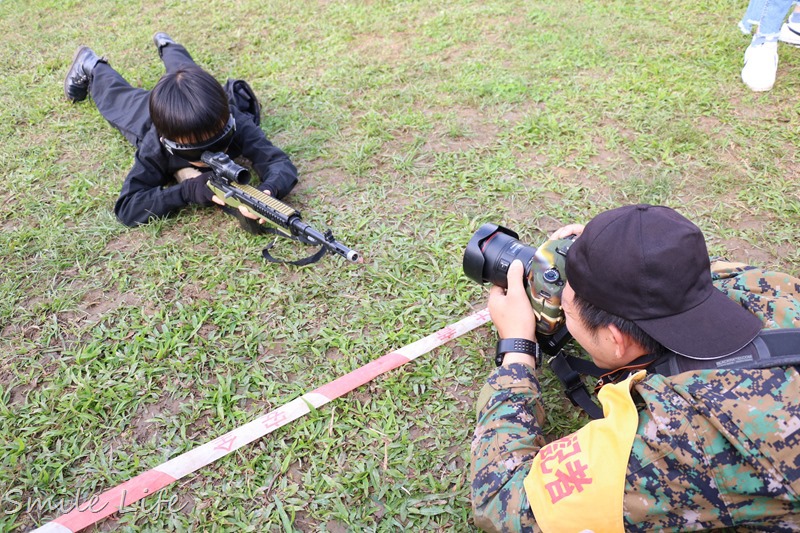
(188, 105)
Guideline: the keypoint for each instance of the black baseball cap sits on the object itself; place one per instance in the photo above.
(650, 265)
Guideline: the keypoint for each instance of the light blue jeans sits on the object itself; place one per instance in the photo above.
(768, 15)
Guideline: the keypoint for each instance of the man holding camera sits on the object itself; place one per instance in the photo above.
(698, 450)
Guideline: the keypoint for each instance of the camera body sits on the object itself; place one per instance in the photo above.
(489, 254)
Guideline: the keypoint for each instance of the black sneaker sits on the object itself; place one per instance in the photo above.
(161, 40)
(76, 84)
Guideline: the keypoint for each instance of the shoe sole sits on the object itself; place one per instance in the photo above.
(155, 42)
(66, 79)
(760, 89)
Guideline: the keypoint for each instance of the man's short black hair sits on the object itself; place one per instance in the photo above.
(188, 105)
(595, 318)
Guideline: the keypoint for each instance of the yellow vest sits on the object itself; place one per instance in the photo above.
(577, 483)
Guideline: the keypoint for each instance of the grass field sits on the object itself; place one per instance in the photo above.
(411, 123)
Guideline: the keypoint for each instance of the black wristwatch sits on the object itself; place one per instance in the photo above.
(517, 345)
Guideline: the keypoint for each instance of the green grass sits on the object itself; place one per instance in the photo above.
(412, 123)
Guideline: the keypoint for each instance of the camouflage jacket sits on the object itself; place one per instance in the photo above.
(713, 448)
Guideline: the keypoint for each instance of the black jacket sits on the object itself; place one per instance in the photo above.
(147, 192)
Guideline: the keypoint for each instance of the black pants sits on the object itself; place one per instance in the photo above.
(125, 107)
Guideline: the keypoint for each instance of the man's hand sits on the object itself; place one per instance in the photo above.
(566, 231)
(511, 310)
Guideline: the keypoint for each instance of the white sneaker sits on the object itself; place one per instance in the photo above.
(790, 34)
(760, 66)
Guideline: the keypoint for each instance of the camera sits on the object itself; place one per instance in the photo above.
(490, 252)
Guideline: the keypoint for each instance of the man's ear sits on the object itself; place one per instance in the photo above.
(625, 348)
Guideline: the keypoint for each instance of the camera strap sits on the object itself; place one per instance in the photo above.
(771, 348)
(570, 371)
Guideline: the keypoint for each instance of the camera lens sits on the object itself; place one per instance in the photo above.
(491, 251)
(500, 251)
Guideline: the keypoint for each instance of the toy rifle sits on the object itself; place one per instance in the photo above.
(229, 182)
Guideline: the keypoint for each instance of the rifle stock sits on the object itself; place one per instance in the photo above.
(229, 183)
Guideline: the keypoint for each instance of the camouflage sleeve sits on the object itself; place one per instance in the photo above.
(507, 437)
(773, 297)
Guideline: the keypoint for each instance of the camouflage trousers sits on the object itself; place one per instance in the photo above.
(713, 449)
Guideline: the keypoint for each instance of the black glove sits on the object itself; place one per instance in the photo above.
(196, 191)
(267, 188)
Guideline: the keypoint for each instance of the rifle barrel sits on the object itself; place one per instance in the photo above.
(327, 240)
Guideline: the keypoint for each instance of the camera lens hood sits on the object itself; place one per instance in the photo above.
(474, 258)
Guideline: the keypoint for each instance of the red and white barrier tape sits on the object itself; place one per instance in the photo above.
(150, 482)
